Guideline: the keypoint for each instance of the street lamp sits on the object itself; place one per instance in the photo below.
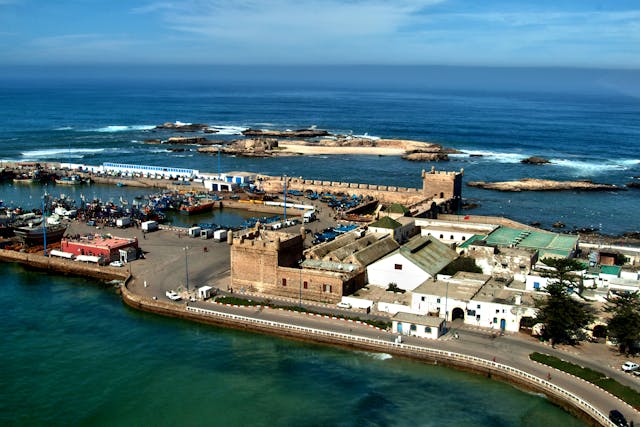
(186, 266)
(446, 312)
(300, 285)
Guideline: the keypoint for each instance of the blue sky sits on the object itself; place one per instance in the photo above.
(560, 33)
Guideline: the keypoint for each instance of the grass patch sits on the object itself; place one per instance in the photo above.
(625, 393)
(250, 303)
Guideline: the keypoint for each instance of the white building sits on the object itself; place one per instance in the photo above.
(401, 229)
(417, 326)
(452, 232)
(412, 264)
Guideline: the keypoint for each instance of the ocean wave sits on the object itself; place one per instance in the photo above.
(374, 355)
(366, 136)
(75, 153)
(595, 166)
(228, 130)
(122, 128)
(64, 128)
(498, 156)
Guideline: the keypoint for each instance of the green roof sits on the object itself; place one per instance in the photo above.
(428, 253)
(398, 208)
(470, 240)
(544, 241)
(610, 269)
(386, 222)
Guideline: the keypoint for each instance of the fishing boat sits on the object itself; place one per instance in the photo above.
(32, 234)
(197, 207)
(70, 180)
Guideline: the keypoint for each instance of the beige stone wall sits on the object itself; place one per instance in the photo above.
(385, 194)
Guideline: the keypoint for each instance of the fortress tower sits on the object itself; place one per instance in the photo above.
(443, 185)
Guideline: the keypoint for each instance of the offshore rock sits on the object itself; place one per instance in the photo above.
(532, 184)
(300, 133)
(183, 127)
(534, 160)
(426, 157)
(186, 140)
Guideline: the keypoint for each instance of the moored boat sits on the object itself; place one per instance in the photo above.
(32, 235)
(198, 207)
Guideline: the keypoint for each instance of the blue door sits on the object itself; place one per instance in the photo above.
(503, 324)
(399, 328)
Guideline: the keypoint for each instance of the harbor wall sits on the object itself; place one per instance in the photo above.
(62, 265)
(569, 401)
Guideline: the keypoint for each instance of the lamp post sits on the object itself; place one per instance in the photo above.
(186, 266)
(300, 285)
(285, 198)
(446, 312)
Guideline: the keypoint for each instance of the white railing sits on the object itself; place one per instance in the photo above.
(579, 402)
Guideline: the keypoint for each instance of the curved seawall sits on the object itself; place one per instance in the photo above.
(571, 402)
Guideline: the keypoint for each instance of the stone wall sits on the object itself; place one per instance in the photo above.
(62, 265)
(386, 194)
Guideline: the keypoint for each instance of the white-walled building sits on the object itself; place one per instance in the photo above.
(410, 265)
(400, 229)
(417, 326)
(452, 232)
(477, 299)
(447, 298)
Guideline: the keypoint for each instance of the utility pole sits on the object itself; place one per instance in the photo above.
(285, 198)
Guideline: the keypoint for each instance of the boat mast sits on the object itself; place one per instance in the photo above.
(44, 223)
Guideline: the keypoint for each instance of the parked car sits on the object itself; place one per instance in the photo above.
(630, 366)
(116, 264)
(617, 418)
(343, 305)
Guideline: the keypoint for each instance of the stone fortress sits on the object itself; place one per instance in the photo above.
(443, 188)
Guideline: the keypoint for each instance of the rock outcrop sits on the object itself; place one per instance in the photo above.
(300, 133)
(185, 127)
(250, 147)
(532, 184)
(534, 160)
(426, 157)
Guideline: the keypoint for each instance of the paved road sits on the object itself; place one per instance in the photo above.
(510, 350)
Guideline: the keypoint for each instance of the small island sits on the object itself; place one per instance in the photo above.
(533, 184)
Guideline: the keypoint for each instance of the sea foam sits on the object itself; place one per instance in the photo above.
(122, 128)
(76, 153)
(500, 157)
(228, 130)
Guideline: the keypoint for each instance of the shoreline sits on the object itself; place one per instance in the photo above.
(571, 403)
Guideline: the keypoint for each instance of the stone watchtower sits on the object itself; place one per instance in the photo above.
(443, 185)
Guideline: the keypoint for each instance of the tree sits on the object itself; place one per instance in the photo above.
(562, 315)
(563, 272)
(624, 324)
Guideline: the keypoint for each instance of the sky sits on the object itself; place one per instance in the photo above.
(540, 33)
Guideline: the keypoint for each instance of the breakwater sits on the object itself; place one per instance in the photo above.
(569, 401)
(64, 266)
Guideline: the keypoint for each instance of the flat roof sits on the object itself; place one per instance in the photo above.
(416, 318)
(461, 290)
(102, 241)
(553, 243)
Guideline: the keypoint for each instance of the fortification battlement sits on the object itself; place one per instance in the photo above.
(433, 171)
(267, 240)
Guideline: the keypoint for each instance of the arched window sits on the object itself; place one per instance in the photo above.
(427, 329)
(413, 327)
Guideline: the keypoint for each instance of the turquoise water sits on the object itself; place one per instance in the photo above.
(72, 354)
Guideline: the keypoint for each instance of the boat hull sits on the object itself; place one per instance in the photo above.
(32, 236)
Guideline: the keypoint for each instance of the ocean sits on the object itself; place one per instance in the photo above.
(73, 355)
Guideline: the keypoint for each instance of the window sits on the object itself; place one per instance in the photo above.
(413, 327)
(427, 329)
(495, 320)
(478, 317)
(284, 282)
(464, 238)
(438, 300)
(451, 237)
(305, 284)
(478, 306)
(423, 298)
(398, 266)
(498, 311)
(442, 236)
